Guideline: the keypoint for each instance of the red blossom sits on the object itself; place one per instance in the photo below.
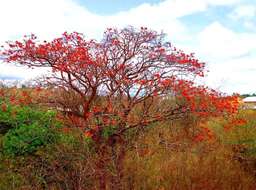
(4, 107)
(199, 138)
(88, 134)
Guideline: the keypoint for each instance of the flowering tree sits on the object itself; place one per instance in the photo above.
(130, 79)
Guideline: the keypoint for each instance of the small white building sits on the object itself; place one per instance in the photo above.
(249, 102)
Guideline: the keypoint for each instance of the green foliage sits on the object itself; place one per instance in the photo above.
(26, 128)
(26, 139)
(55, 166)
(19, 115)
(108, 131)
(66, 138)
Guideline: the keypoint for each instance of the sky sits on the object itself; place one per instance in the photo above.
(221, 33)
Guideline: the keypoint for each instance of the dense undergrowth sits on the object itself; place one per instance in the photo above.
(37, 152)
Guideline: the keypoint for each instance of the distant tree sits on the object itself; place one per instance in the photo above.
(131, 79)
(247, 95)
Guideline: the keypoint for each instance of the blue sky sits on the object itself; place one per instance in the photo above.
(221, 32)
(108, 7)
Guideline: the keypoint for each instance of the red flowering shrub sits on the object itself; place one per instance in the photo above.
(125, 81)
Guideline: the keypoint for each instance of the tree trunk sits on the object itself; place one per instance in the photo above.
(101, 167)
(101, 177)
(118, 155)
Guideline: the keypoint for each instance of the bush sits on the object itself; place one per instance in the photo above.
(67, 164)
(25, 128)
(26, 139)
(14, 116)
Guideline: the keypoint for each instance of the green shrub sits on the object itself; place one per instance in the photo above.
(26, 139)
(25, 128)
(15, 116)
(108, 131)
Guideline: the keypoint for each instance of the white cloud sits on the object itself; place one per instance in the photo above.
(19, 72)
(230, 57)
(246, 14)
(49, 18)
(45, 18)
(249, 24)
(243, 11)
(219, 42)
(234, 75)
(222, 2)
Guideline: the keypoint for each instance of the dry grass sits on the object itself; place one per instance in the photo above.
(168, 163)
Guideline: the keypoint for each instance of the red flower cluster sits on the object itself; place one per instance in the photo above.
(16, 96)
(236, 122)
(204, 135)
(4, 107)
